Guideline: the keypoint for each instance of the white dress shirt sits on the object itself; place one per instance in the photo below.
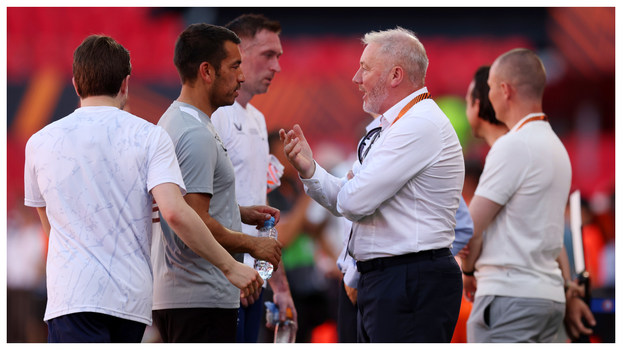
(405, 196)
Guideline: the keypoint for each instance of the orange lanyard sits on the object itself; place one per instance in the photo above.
(414, 101)
(533, 119)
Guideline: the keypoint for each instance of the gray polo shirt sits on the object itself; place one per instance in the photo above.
(182, 279)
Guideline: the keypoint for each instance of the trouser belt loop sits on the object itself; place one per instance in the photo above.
(433, 256)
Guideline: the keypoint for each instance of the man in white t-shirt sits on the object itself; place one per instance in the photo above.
(520, 203)
(93, 176)
(243, 131)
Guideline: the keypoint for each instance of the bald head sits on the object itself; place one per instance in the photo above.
(524, 70)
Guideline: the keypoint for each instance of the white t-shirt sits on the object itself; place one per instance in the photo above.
(528, 172)
(93, 171)
(244, 134)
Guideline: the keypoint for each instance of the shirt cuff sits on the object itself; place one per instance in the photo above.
(351, 278)
(315, 182)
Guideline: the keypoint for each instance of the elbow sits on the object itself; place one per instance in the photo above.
(350, 212)
(172, 218)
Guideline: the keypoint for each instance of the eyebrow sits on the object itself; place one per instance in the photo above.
(270, 51)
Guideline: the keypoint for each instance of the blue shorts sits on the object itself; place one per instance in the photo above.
(93, 327)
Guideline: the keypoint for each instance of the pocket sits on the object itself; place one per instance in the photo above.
(484, 320)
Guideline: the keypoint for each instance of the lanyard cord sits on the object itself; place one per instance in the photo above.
(414, 101)
(533, 119)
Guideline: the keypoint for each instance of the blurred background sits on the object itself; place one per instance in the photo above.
(321, 53)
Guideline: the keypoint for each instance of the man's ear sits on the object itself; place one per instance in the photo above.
(396, 76)
(207, 72)
(507, 90)
(75, 87)
(476, 105)
(125, 86)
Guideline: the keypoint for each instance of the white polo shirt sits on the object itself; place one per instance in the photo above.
(244, 134)
(93, 172)
(528, 172)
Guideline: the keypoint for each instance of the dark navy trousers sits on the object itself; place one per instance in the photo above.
(414, 302)
(346, 317)
(93, 327)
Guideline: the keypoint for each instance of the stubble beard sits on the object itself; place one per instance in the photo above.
(376, 96)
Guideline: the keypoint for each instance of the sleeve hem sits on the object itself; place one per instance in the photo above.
(35, 204)
(493, 196)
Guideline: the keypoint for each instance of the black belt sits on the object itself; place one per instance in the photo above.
(381, 263)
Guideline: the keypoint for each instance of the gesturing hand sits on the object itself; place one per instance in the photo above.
(298, 151)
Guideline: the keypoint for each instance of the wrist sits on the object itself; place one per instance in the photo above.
(469, 273)
(309, 173)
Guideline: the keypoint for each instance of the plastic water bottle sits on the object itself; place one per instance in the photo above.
(285, 332)
(263, 267)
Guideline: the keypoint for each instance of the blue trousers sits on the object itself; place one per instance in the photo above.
(414, 302)
(93, 327)
(249, 319)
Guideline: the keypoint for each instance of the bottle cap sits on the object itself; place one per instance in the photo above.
(289, 314)
(269, 222)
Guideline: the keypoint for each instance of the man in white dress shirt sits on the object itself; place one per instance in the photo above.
(93, 176)
(519, 202)
(402, 200)
(242, 128)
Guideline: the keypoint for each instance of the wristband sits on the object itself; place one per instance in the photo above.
(470, 274)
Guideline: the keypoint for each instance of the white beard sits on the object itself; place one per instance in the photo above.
(376, 96)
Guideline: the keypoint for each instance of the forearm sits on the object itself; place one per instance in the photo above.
(475, 248)
(279, 282)
(232, 241)
(194, 233)
(564, 264)
(483, 212)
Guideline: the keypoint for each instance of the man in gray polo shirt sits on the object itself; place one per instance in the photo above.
(193, 301)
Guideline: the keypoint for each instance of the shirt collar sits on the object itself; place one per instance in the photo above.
(205, 119)
(389, 116)
(520, 122)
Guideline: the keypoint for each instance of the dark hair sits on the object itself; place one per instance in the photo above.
(99, 66)
(248, 25)
(199, 43)
(480, 92)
